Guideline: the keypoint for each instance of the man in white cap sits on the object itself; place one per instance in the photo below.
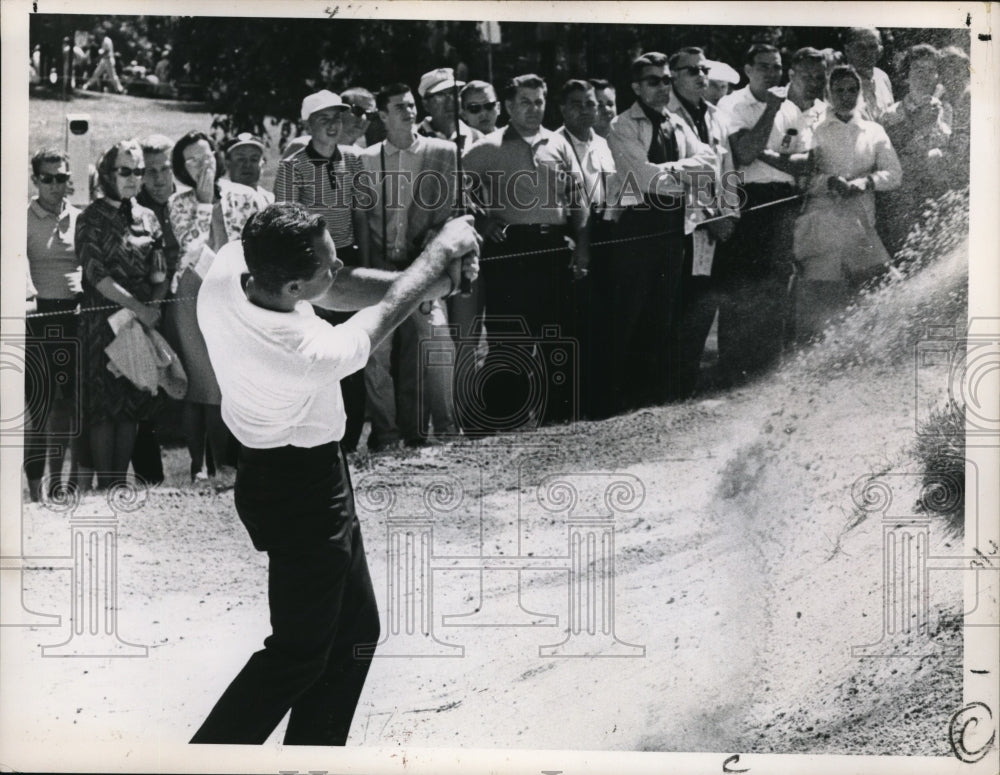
(358, 119)
(321, 176)
(245, 162)
(437, 92)
(721, 78)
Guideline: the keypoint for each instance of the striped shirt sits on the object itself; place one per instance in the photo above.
(323, 184)
(51, 252)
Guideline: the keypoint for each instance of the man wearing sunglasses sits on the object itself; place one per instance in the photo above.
(703, 228)
(437, 93)
(659, 160)
(56, 275)
(480, 107)
(360, 116)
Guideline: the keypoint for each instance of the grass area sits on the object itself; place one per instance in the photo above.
(116, 117)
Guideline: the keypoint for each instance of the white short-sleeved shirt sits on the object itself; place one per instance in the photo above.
(279, 372)
(742, 111)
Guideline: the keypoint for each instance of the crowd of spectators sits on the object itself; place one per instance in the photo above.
(613, 243)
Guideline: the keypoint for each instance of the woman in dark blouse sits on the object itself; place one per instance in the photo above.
(118, 243)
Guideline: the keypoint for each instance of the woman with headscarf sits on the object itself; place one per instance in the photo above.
(836, 246)
(119, 246)
(204, 217)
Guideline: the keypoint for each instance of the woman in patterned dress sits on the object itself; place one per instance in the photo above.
(207, 215)
(118, 243)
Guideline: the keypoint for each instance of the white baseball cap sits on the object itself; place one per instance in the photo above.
(720, 71)
(319, 101)
(437, 81)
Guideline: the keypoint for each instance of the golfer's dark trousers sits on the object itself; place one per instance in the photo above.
(752, 269)
(298, 506)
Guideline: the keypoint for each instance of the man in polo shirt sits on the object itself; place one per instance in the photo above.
(528, 183)
(771, 136)
(587, 319)
(412, 180)
(437, 93)
(54, 270)
(709, 222)
(480, 107)
(279, 369)
(659, 160)
(863, 50)
(321, 176)
(245, 162)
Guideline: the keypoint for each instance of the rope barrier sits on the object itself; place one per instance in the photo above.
(603, 243)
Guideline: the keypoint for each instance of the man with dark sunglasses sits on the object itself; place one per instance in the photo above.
(360, 117)
(659, 160)
(480, 107)
(710, 221)
(56, 274)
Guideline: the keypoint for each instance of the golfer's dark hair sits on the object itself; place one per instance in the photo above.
(278, 244)
(388, 92)
(840, 72)
(526, 81)
(177, 156)
(600, 83)
(687, 51)
(758, 48)
(649, 59)
(572, 86)
(47, 155)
